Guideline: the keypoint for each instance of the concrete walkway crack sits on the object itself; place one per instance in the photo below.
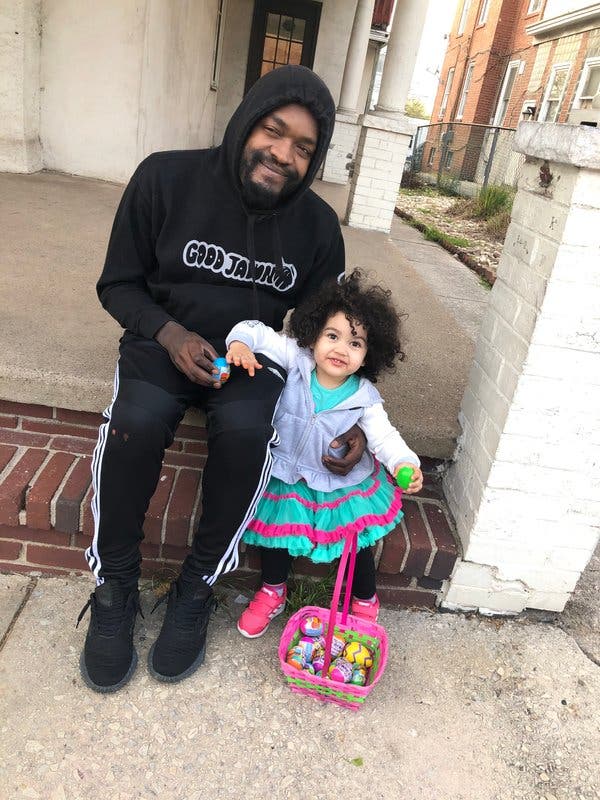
(26, 595)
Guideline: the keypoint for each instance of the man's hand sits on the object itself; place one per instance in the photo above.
(241, 355)
(356, 441)
(190, 353)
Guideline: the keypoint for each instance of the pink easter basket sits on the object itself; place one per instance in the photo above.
(351, 628)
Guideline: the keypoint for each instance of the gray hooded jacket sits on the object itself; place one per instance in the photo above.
(305, 435)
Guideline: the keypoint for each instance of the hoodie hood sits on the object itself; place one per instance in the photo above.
(282, 86)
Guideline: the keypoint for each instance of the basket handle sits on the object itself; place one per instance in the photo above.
(350, 549)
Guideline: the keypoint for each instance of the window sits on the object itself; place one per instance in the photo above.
(554, 93)
(216, 66)
(534, 6)
(483, 14)
(431, 156)
(463, 17)
(465, 90)
(589, 84)
(448, 159)
(507, 85)
(283, 41)
(447, 88)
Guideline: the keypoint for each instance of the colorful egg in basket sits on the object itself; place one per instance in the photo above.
(357, 653)
(311, 626)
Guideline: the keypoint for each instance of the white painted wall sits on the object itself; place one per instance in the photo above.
(91, 76)
(236, 39)
(177, 106)
(19, 86)
(123, 78)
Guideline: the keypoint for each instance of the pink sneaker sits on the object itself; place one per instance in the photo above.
(364, 609)
(264, 606)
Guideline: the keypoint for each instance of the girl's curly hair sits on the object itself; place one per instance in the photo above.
(371, 306)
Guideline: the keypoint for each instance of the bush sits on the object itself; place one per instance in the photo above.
(448, 185)
(493, 200)
(463, 207)
(498, 225)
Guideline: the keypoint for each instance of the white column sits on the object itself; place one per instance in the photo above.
(355, 59)
(345, 135)
(524, 488)
(385, 133)
(378, 168)
(20, 25)
(401, 55)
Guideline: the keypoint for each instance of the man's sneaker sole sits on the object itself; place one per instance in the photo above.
(182, 675)
(265, 629)
(107, 689)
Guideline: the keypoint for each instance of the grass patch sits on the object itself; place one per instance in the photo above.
(493, 200)
(305, 591)
(463, 207)
(424, 210)
(497, 225)
(434, 235)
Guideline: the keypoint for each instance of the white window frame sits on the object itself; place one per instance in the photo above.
(564, 66)
(483, 12)
(534, 6)
(218, 46)
(465, 90)
(587, 64)
(447, 90)
(498, 119)
(463, 17)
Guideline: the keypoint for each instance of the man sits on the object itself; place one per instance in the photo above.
(201, 240)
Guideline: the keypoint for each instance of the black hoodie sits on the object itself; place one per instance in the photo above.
(184, 247)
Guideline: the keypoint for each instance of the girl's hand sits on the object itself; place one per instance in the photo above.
(416, 483)
(241, 355)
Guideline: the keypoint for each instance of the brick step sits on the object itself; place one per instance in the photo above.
(46, 520)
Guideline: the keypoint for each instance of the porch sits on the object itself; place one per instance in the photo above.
(57, 363)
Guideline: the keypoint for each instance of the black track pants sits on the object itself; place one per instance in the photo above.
(151, 396)
(276, 563)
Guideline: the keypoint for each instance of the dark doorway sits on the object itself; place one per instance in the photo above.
(283, 32)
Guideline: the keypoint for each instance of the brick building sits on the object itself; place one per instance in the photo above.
(508, 61)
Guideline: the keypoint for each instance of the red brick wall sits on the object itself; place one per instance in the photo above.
(491, 46)
(46, 521)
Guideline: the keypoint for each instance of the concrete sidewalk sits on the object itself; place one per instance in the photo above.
(468, 709)
(58, 347)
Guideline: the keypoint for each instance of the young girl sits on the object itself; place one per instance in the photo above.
(343, 338)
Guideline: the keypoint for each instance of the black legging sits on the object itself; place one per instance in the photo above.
(151, 397)
(276, 563)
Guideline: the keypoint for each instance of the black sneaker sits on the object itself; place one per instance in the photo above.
(181, 644)
(109, 658)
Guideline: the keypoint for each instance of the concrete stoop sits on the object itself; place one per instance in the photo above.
(46, 520)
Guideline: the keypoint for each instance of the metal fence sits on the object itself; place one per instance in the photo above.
(463, 157)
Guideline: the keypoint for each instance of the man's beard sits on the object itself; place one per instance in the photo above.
(259, 195)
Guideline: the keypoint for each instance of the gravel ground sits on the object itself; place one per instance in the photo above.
(483, 248)
(468, 709)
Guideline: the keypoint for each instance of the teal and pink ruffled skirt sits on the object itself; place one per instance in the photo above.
(314, 524)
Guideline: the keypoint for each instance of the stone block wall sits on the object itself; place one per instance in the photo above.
(524, 489)
(381, 153)
(341, 151)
